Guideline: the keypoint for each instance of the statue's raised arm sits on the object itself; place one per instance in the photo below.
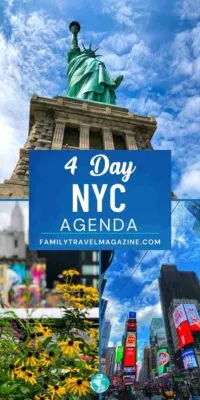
(87, 76)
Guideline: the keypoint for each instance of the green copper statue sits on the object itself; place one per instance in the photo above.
(87, 76)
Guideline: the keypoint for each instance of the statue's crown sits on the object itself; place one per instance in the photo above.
(89, 51)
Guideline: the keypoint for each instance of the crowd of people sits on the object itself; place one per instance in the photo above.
(166, 391)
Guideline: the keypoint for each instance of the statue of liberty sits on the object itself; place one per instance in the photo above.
(87, 76)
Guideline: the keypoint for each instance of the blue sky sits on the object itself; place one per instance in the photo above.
(155, 44)
(133, 286)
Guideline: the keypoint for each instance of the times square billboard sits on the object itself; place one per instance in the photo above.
(189, 359)
(162, 361)
(130, 341)
(187, 321)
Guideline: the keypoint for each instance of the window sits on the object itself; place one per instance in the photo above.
(71, 136)
(96, 139)
(119, 142)
(95, 257)
(84, 281)
(15, 243)
(91, 270)
(82, 255)
(95, 283)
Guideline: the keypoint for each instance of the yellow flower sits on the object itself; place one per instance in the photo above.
(70, 272)
(31, 360)
(79, 305)
(71, 371)
(94, 333)
(43, 331)
(77, 387)
(30, 378)
(90, 370)
(56, 390)
(42, 397)
(47, 359)
(21, 372)
(70, 347)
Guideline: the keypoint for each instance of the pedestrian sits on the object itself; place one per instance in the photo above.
(148, 392)
(195, 390)
(168, 393)
(183, 391)
(132, 393)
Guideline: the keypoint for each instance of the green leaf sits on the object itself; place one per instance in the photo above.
(24, 389)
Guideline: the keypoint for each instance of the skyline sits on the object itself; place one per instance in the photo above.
(137, 289)
(154, 45)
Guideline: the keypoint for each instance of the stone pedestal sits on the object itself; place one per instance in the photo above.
(52, 119)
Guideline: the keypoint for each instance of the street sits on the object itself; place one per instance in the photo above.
(124, 397)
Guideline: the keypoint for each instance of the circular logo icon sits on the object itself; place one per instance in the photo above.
(99, 383)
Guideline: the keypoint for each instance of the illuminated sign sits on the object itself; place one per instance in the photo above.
(129, 370)
(131, 340)
(131, 326)
(162, 360)
(131, 315)
(179, 315)
(192, 316)
(119, 354)
(130, 357)
(189, 359)
(129, 379)
(184, 333)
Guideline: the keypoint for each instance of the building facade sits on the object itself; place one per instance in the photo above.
(110, 361)
(175, 287)
(69, 123)
(105, 335)
(12, 239)
(157, 333)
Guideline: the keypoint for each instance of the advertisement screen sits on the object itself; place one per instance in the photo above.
(130, 357)
(189, 359)
(119, 354)
(162, 361)
(129, 370)
(131, 315)
(179, 315)
(131, 326)
(131, 339)
(184, 334)
(129, 379)
(192, 316)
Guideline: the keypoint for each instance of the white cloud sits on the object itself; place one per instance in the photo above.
(145, 315)
(116, 313)
(27, 58)
(190, 182)
(150, 292)
(186, 54)
(188, 9)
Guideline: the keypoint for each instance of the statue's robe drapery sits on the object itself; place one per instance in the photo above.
(88, 79)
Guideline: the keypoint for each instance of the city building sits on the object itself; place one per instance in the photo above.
(176, 287)
(194, 207)
(105, 335)
(157, 333)
(145, 371)
(12, 238)
(110, 361)
(157, 341)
